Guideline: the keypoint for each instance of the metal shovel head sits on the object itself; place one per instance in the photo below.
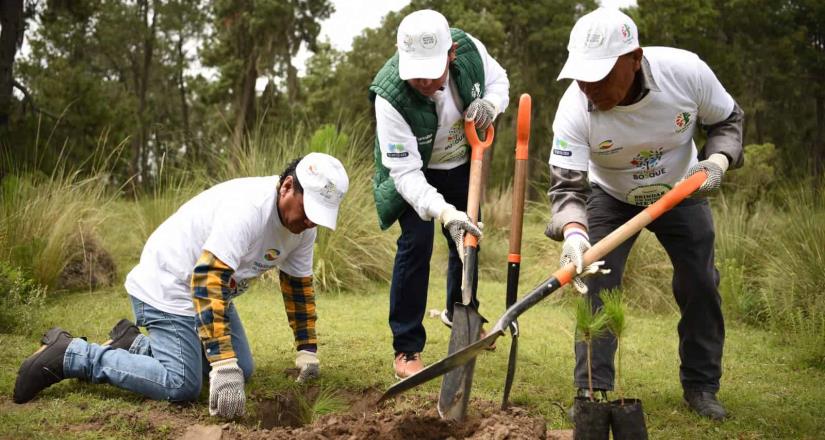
(447, 364)
(456, 385)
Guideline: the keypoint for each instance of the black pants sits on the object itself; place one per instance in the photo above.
(687, 234)
(411, 273)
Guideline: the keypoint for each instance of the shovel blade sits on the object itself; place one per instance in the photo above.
(456, 385)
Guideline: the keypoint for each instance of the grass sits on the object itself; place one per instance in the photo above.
(769, 394)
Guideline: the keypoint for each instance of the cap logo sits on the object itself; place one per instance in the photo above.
(311, 169)
(594, 39)
(626, 35)
(408, 43)
(428, 40)
(329, 192)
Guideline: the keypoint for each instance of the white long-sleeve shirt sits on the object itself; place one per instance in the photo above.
(399, 147)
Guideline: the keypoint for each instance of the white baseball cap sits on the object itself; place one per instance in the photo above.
(423, 42)
(325, 182)
(597, 40)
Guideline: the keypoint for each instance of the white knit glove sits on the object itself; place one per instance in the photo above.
(226, 394)
(715, 166)
(576, 243)
(307, 362)
(458, 224)
(483, 112)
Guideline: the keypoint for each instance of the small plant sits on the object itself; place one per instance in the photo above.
(589, 325)
(327, 401)
(20, 299)
(614, 308)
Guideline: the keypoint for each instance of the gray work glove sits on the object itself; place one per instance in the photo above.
(226, 393)
(715, 166)
(458, 224)
(307, 362)
(576, 243)
(483, 112)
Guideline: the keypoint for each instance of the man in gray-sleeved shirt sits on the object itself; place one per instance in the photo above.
(622, 137)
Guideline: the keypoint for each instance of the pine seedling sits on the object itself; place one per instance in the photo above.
(614, 310)
(589, 325)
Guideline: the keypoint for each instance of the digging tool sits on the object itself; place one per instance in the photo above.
(558, 279)
(516, 223)
(455, 388)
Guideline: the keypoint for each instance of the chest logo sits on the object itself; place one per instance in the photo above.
(683, 121)
(606, 145)
(272, 254)
(646, 162)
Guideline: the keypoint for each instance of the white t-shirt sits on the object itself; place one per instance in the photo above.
(238, 222)
(638, 152)
(399, 147)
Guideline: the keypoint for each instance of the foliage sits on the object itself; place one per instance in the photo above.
(590, 325)
(614, 310)
(20, 300)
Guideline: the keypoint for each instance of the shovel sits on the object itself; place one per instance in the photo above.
(516, 223)
(558, 279)
(455, 388)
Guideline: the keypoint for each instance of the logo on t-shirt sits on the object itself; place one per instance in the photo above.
(271, 254)
(561, 147)
(646, 162)
(683, 121)
(396, 151)
(606, 145)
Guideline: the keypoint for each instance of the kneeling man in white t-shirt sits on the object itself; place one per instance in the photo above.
(182, 291)
(622, 137)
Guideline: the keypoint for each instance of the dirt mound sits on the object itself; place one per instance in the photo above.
(409, 418)
(90, 266)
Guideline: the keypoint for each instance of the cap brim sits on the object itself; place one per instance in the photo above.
(425, 68)
(319, 212)
(587, 70)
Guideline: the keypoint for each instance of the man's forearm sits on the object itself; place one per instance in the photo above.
(726, 138)
(211, 293)
(299, 303)
(568, 200)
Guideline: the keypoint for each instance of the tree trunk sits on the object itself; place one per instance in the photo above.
(143, 82)
(11, 34)
(245, 100)
(191, 148)
(818, 145)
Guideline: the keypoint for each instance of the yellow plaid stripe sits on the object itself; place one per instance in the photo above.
(211, 293)
(299, 302)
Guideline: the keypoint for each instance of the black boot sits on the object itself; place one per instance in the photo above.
(123, 334)
(705, 404)
(44, 368)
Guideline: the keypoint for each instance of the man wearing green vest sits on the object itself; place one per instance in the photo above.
(438, 77)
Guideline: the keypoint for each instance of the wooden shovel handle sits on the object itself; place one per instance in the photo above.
(477, 147)
(520, 178)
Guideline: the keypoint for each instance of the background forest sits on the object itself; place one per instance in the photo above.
(119, 111)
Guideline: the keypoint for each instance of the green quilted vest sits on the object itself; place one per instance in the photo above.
(467, 71)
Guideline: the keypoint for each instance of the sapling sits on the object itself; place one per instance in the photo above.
(614, 308)
(589, 325)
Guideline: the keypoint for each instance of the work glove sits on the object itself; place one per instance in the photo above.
(307, 362)
(576, 243)
(226, 394)
(483, 112)
(458, 224)
(715, 166)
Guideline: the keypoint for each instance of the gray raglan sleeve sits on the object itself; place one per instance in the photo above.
(568, 200)
(726, 137)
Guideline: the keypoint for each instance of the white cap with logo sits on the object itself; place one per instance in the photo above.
(325, 182)
(423, 42)
(597, 40)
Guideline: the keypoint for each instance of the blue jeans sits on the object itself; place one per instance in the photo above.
(168, 364)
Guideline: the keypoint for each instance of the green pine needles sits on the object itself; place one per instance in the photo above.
(614, 311)
(589, 325)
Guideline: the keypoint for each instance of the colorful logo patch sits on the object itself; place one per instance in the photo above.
(646, 160)
(561, 143)
(396, 150)
(683, 121)
(272, 254)
(606, 145)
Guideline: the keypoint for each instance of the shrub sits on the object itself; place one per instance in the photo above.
(20, 300)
